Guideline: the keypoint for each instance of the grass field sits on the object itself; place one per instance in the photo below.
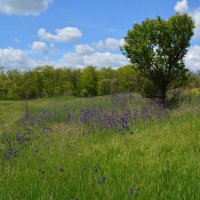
(112, 148)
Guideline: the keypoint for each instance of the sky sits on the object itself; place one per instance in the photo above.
(78, 33)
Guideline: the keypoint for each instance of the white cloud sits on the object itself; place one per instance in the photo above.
(181, 6)
(105, 59)
(83, 49)
(72, 60)
(67, 34)
(23, 7)
(196, 17)
(40, 47)
(85, 55)
(109, 43)
(192, 59)
(15, 58)
(98, 59)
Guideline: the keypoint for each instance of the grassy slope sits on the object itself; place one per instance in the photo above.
(160, 158)
(10, 112)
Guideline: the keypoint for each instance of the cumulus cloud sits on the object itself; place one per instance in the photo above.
(83, 55)
(15, 58)
(83, 49)
(40, 47)
(67, 34)
(192, 59)
(105, 59)
(109, 43)
(196, 17)
(72, 60)
(23, 7)
(181, 6)
(86, 54)
(98, 59)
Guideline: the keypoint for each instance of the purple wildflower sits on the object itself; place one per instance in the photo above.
(103, 178)
(131, 190)
(95, 170)
(62, 170)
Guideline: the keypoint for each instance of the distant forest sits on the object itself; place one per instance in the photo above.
(48, 81)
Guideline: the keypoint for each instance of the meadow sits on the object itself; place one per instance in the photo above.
(114, 147)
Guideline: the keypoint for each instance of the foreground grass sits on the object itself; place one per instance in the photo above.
(159, 160)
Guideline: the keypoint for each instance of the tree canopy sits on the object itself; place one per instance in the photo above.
(157, 48)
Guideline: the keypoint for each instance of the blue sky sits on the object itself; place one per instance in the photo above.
(80, 33)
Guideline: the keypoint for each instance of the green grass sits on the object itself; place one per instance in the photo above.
(10, 112)
(161, 159)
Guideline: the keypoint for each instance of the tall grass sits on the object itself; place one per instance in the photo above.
(157, 157)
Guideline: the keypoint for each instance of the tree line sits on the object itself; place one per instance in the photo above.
(47, 81)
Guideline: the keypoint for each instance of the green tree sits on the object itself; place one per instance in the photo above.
(48, 76)
(104, 86)
(126, 78)
(27, 88)
(157, 49)
(105, 77)
(3, 84)
(88, 81)
(14, 82)
(74, 79)
(39, 81)
(63, 81)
